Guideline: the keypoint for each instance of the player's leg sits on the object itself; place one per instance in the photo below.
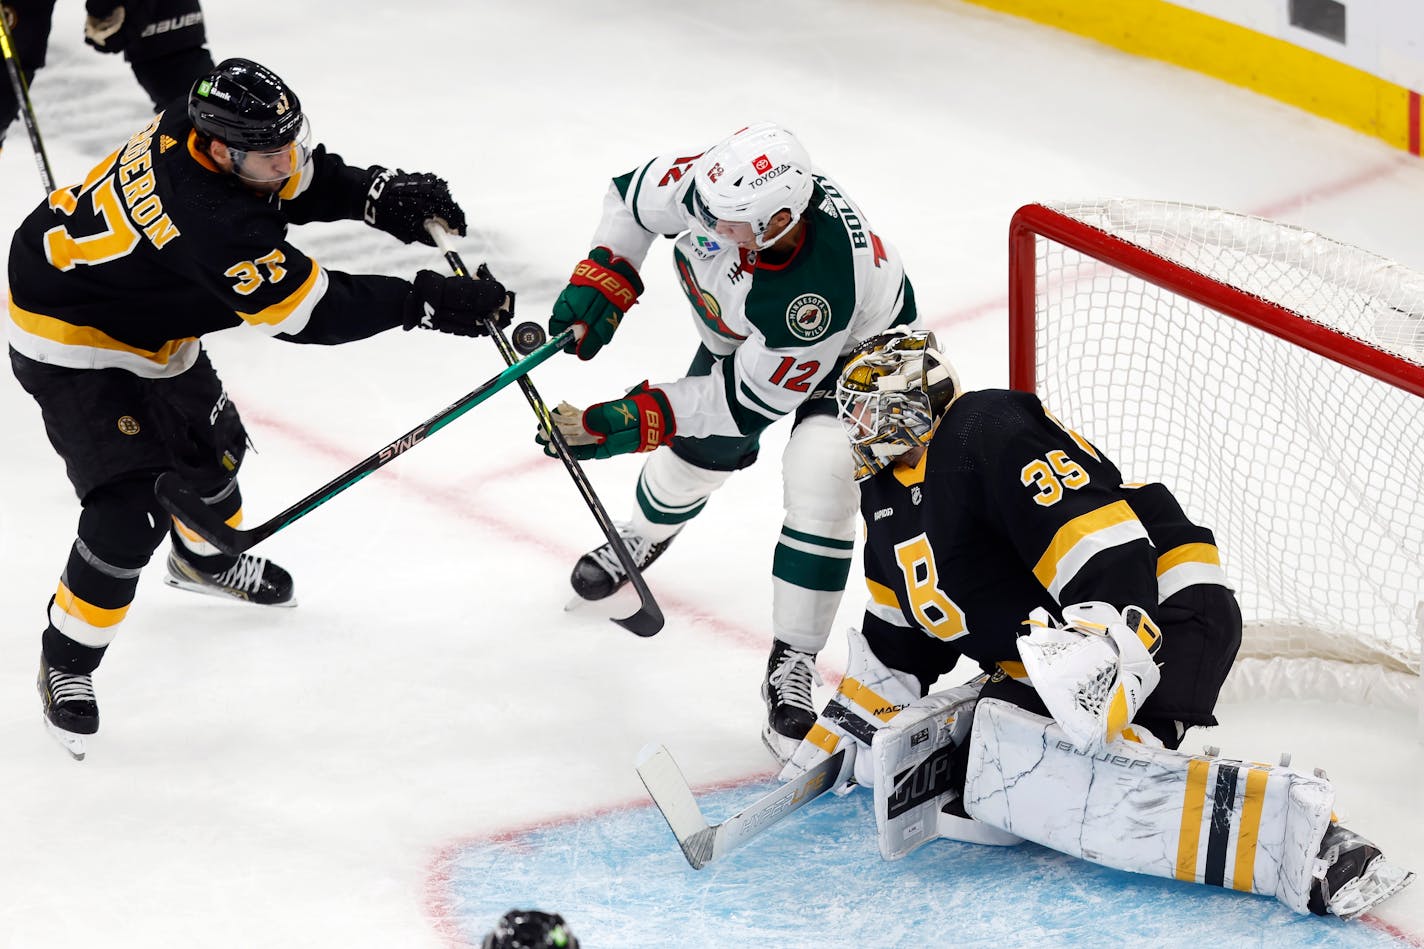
(28, 22)
(99, 424)
(206, 442)
(673, 488)
(809, 570)
(168, 53)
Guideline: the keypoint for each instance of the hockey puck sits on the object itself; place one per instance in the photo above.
(528, 337)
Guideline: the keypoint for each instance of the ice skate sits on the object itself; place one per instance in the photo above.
(70, 709)
(1352, 875)
(599, 573)
(787, 693)
(254, 579)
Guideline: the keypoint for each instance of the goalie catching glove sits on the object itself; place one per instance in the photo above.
(458, 305)
(603, 287)
(400, 203)
(640, 421)
(1093, 672)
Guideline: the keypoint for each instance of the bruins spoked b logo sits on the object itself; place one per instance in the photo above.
(809, 316)
(128, 424)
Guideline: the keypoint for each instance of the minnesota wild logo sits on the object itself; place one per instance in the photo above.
(809, 316)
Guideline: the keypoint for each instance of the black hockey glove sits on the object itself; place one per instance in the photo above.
(400, 204)
(457, 305)
(104, 27)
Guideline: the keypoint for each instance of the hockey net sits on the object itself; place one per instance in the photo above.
(1274, 380)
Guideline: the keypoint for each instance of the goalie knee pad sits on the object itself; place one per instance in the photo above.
(1233, 824)
(916, 760)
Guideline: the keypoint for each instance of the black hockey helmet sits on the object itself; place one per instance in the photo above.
(246, 106)
(530, 929)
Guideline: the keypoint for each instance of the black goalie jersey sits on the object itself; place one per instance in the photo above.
(157, 246)
(1008, 511)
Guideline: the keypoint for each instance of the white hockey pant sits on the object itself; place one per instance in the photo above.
(813, 554)
(1233, 824)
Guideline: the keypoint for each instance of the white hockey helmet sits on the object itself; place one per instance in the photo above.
(749, 176)
(889, 394)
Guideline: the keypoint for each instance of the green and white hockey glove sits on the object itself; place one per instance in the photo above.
(603, 287)
(640, 421)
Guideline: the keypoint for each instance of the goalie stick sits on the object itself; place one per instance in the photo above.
(180, 499)
(648, 619)
(701, 842)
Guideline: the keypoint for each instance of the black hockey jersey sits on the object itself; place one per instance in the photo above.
(157, 246)
(1008, 511)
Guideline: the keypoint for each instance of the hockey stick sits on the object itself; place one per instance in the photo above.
(27, 110)
(649, 617)
(702, 842)
(180, 499)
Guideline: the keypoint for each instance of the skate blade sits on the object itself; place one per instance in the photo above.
(620, 604)
(71, 742)
(1378, 883)
(780, 747)
(181, 584)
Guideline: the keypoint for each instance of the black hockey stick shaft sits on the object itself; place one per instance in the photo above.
(648, 620)
(22, 96)
(181, 500)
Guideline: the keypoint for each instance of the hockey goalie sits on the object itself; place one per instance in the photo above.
(982, 510)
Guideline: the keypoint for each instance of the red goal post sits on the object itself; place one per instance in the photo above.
(1273, 378)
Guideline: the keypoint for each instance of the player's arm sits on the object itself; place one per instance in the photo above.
(388, 199)
(274, 287)
(637, 207)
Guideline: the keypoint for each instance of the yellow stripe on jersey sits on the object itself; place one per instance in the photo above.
(1193, 802)
(95, 616)
(1188, 553)
(867, 698)
(53, 330)
(1085, 535)
(882, 594)
(277, 313)
(911, 475)
(1253, 803)
(1186, 566)
(1014, 670)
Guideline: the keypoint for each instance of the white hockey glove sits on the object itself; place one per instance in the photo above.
(869, 696)
(1095, 671)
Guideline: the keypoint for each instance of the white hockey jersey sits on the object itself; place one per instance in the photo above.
(780, 329)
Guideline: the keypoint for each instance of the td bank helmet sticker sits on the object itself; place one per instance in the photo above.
(809, 316)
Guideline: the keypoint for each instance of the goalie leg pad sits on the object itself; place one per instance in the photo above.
(914, 759)
(1232, 824)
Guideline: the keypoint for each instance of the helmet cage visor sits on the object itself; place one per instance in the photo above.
(883, 406)
(266, 164)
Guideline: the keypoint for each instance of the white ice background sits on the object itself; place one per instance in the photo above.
(293, 777)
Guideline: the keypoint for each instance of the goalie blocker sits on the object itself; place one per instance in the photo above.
(1242, 826)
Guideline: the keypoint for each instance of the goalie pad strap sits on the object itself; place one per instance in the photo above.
(1226, 823)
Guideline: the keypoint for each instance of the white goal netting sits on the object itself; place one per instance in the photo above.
(1273, 378)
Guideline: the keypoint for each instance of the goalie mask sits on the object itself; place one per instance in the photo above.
(749, 176)
(889, 394)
